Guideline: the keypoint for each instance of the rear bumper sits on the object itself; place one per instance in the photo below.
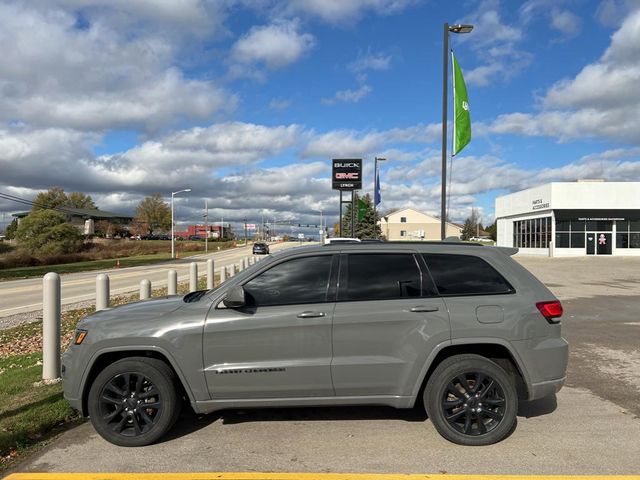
(545, 361)
(544, 389)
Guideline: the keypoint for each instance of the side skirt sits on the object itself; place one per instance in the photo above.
(395, 401)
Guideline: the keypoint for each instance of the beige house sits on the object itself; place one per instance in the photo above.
(411, 225)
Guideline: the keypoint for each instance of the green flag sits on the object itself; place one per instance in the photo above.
(362, 209)
(461, 115)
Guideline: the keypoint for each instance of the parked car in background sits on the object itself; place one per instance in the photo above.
(462, 329)
(260, 248)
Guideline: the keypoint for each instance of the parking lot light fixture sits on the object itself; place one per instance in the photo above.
(173, 238)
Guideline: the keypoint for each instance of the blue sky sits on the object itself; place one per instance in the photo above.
(246, 101)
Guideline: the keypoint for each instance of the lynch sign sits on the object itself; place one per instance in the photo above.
(346, 174)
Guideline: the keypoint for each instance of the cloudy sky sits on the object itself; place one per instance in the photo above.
(246, 101)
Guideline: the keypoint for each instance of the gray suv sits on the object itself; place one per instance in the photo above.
(464, 330)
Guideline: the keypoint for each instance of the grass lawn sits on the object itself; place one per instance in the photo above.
(40, 270)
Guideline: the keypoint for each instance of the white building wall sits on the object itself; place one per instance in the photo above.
(542, 201)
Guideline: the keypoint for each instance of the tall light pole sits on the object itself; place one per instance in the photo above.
(173, 238)
(459, 28)
(375, 194)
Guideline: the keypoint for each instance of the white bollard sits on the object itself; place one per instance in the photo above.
(211, 276)
(232, 270)
(51, 326)
(246, 262)
(172, 282)
(145, 289)
(102, 292)
(223, 274)
(241, 265)
(193, 277)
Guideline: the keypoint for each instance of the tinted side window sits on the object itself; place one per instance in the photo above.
(465, 275)
(301, 280)
(381, 276)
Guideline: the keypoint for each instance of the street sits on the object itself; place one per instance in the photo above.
(19, 296)
(592, 427)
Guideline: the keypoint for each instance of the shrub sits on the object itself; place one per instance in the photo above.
(46, 232)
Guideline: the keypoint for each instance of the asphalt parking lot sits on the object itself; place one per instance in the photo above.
(592, 427)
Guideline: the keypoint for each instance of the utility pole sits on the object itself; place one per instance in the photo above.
(222, 228)
(206, 226)
(245, 231)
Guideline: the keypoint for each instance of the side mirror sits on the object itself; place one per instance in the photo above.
(235, 297)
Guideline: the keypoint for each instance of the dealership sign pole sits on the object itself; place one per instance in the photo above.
(346, 175)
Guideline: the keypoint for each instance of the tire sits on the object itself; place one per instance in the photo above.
(482, 412)
(116, 396)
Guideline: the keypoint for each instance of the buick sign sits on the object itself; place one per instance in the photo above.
(347, 174)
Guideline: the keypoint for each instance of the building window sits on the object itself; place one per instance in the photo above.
(533, 233)
(628, 234)
(403, 233)
(403, 219)
(570, 233)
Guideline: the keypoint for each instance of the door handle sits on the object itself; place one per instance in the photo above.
(309, 314)
(424, 308)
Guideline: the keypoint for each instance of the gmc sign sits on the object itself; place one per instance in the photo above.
(347, 174)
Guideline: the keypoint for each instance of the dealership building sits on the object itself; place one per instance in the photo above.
(588, 217)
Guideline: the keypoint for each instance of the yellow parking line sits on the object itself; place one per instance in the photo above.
(299, 476)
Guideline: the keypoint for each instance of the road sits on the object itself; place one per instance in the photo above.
(592, 427)
(19, 296)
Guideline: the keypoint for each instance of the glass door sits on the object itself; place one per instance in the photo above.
(603, 241)
(591, 243)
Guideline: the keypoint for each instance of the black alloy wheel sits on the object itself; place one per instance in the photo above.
(130, 404)
(471, 400)
(134, 401)
(473, 403)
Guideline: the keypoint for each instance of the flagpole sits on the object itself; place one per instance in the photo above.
(445, 74)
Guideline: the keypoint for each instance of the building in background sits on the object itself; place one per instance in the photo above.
(588, 217)
(215, 232)
(86, 218)
(411, 224)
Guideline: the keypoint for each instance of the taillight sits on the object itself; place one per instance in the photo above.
(552, 311)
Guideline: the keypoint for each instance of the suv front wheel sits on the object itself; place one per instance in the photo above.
(471, 400)
(133, 402)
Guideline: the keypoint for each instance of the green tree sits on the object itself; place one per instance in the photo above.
(47, 232)
(10, 231)
(367, 225)
(153, 213)
(471, 225)
(80, 200)
(493, 231)
(52, 198)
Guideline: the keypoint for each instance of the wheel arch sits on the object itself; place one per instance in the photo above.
(496, 350)
(105, 357)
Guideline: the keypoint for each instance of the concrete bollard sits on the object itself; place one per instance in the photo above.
(172, 282)
(51, 326)
(211, 276)
(241, 265)
(102, 292)
(145, 289)
(232, 270)
(193, 276)
(223, 274)
(246, 262)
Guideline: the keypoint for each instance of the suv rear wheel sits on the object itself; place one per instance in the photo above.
(471, 400)
(133, 402)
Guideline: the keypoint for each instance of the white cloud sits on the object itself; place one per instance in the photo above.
(342, 11)
(566, 22)
(94, 78)
(496, 43)
(275, 45)
(349, 95)
(370, 61)
(279, 104)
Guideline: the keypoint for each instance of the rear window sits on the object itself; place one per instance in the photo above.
(381, 277)
(465, 275)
